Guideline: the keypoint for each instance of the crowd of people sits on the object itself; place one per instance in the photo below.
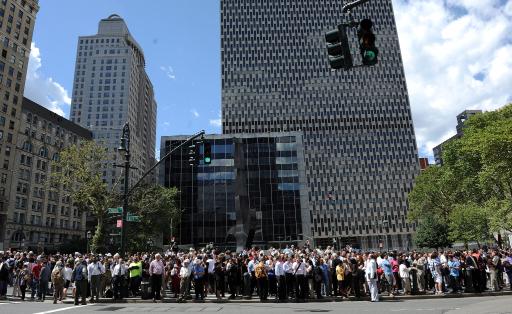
(290, 274)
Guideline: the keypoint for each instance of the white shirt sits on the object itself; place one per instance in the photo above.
(371, 268)
(299, 268)
(211, 266)
(184, 272)
(119, 270)
(94, 269)
(68, 272)
(288, 267)
(403, 271)
(279, 269)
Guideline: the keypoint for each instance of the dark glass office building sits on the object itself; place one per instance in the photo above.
(252, 193)
(360, 149)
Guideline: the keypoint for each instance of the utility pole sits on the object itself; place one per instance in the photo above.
(125, 146)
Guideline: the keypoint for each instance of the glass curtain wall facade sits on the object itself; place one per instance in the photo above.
(249, 195)
(360, 148)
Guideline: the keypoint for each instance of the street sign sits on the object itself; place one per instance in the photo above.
(117, 210)
(133, 218)
(119, 223)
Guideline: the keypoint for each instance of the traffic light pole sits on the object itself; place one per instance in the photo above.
(349, 6)
(190, 139)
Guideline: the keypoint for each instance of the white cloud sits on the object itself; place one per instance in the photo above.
(216, 122)
(169, 72)
(195, 113)
(456, 56)
(44, 90)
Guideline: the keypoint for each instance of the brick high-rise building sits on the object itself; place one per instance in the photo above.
(111, 87)
(17, 19)
(360, 149)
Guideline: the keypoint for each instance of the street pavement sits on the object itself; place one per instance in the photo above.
(466, 305)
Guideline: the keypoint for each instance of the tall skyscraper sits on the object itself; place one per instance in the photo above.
(360, 148)
(111, 87)
(17, 19)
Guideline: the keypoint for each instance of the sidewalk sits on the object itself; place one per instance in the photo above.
(255, 299)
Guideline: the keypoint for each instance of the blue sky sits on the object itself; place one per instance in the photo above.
(456, 56)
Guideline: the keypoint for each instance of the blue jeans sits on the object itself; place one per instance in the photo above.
(34, 286)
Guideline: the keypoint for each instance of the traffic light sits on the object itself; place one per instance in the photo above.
(207, 154)
(338, 48)
(369, 52)
(193, 155)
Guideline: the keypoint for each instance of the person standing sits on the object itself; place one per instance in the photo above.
(135, 269)
(184, 279)
(119, 271)
(281, 279)
(44, 280)
(371, 277)
(493, 264)
(156, 271)
(25, 279)
(68, 273)
(58, 282)
(4, 276)
(35, 272)
(403, 271)
(454, 267)
(95, 270)
(299, 268)
(198, 272)
(262, 279)
(79, 277)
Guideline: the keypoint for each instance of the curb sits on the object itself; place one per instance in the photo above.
(324, 300)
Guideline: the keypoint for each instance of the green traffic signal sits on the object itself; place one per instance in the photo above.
(207, 153)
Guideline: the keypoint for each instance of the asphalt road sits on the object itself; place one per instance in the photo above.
(478, 305)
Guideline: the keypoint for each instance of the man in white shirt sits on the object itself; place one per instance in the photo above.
(95, 269)
(184, 279)
(299, 269)
(118, 278)
(371, 277)
(281, 278)
(210, 283)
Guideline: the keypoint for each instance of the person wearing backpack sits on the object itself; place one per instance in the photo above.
(317, 279)
(79, 277)
(58, 282)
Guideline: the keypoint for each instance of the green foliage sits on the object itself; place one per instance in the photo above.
(469, 223)
(78, 171)
(432, 233)
(157, 208)
(473, 189)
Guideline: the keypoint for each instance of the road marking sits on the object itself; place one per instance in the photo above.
(63, 309)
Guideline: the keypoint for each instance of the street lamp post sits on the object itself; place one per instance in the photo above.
(125, 147)
(89, 237)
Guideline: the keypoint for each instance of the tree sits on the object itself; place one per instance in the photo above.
(432, 233)
(157, 208)
(78, 171)
(469, 223)
(474, 185)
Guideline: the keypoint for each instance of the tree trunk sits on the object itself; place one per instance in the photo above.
(97, 240)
